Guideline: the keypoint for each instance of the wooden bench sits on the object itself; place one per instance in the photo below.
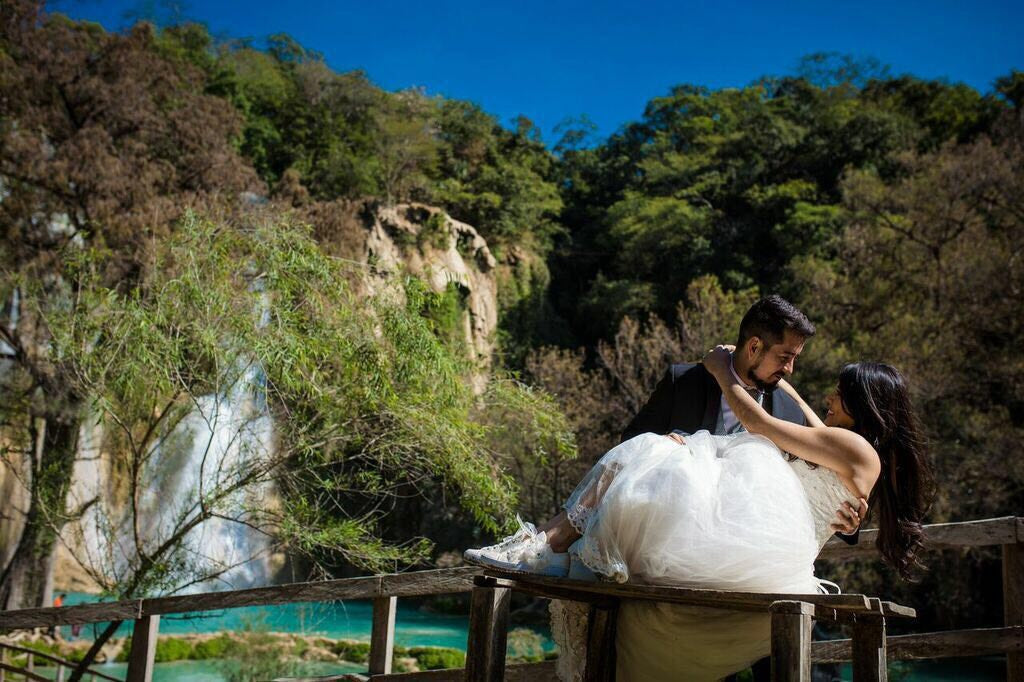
(791, 619)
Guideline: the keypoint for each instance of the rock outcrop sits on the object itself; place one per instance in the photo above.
(423, 241)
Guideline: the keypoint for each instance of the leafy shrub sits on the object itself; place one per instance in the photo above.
(438, 658)
(172, 649)
(525, 645)
(217, 647)
(348, 650)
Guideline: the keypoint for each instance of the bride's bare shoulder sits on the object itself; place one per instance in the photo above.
(856, 449)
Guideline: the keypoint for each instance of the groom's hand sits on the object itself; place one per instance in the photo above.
(848, 519)
(677, 437)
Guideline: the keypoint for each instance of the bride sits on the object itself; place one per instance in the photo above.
(747, 512)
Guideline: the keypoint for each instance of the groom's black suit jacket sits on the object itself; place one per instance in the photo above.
(688, 398)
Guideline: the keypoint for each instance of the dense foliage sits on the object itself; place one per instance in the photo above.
(889, 208)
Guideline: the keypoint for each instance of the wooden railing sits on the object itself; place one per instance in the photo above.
(1006, 532)
(384, 591)
(31, 656)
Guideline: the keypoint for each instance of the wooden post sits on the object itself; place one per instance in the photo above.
(791, 641)
(60, 674)
(488, 632)
(140, 658)
(869, 649)
(1013, 604)
(30, 662)
(382, 636)
(3, 659)
(600, 666)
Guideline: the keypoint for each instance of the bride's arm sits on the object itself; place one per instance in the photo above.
(812, 418)
(842, 450)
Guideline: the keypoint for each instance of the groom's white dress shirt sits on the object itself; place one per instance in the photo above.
(730, 423)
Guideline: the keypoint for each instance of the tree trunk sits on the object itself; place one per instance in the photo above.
(24, 581)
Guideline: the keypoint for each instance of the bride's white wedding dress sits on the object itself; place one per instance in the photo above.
(720, 512)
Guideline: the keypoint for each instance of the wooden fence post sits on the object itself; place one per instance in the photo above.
(791, 641)
(488, 632)
(140, 659)
(1013, 602)
(600, 665)
(382, 636)
(3, 659)
(869, 660)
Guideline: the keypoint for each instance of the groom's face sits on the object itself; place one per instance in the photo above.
(773, 362)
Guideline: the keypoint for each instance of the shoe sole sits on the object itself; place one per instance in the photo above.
(513, 568)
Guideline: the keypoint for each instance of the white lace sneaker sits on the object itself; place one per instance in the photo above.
(527, 551)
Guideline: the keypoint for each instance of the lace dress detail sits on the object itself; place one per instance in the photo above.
(720, 512)
(578, 515)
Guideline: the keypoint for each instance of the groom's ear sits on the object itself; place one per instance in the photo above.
(754, 345)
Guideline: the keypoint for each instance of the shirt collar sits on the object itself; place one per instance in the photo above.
(744, 384)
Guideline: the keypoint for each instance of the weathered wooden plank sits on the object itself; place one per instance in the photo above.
(891, 609)
(740, 601)
(791, 641)
(514, 672)
(948, 644)
(143, 653)
(984, 532)
(553, 592)
(382, 635)
(869, 649)
(25, 619)
(324, 590)
(1013, 603)
(343, 677)
(600, 662)
(422, 583)
(22, 673)
(488, 633)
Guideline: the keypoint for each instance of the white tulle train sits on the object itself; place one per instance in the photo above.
(720, 512)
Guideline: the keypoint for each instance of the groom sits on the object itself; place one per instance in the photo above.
(687, 399)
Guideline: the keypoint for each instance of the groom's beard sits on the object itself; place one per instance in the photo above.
(761, 384)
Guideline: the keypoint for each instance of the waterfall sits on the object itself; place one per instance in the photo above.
(221, 439)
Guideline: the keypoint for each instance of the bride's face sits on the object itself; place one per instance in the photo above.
(837, 414)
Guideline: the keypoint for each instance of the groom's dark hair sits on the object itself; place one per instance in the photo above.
(769, 318)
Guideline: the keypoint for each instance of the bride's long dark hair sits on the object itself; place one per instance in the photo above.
(875, 395)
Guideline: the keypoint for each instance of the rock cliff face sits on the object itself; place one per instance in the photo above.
(423, 241)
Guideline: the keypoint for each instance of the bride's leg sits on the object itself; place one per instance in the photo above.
(560, 533)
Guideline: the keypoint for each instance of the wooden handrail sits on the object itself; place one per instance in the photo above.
(948, 644)
(383, 589)
(418, 584)
(54, 659)
(1006, 530)
(999, 531)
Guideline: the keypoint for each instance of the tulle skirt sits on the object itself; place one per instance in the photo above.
(720, 512)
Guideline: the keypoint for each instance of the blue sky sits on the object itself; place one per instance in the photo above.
(549, 61)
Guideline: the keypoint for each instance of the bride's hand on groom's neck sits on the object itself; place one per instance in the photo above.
(718, 359)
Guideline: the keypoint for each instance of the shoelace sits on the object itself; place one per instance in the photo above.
(822, 586)
(526, 531)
